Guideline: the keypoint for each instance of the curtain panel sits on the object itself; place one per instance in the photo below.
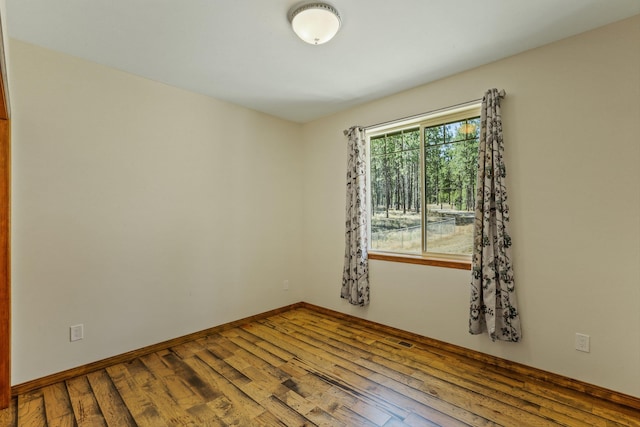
(493, 306)
(355, 277)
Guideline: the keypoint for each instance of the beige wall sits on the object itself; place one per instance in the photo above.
(142, 211)
(571, 119)
(147, 212)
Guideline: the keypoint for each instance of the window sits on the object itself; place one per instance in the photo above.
(423, 185)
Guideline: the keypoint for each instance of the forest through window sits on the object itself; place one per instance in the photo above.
(423, 186)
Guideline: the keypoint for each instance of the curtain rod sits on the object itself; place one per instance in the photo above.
(415, 116)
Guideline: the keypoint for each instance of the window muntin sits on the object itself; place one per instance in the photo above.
(424, 173)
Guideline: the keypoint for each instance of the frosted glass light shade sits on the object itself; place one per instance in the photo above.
(315, 23)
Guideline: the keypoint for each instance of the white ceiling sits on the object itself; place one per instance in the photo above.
(245, 52)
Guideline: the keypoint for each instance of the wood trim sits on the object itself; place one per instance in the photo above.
(417, 259)
(131, 355)
(5, 263)
(556, 379)
(5, 228)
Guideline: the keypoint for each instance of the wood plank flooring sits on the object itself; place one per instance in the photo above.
(305, 368)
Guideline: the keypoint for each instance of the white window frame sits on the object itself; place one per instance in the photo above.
(469, 110)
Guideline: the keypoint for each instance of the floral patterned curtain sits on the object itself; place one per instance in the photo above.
(355, 277)
(493, 298)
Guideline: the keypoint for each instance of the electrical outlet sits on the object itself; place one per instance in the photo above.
(76, 332)
(285, 285)
(582, 342)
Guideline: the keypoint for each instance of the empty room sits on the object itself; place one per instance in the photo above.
(343, 213)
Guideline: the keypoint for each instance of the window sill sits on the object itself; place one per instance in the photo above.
(460, 264)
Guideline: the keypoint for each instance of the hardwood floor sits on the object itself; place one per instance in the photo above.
(305, 368)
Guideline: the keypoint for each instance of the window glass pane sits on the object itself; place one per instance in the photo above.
(450, 187)
(412, 140)
(453, 132)
(468, 129)
(434, 135)
(474, 131)
(377, 146)
(393, 142)
(395, 195)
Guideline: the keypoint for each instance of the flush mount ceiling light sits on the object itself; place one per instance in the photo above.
(315, 23)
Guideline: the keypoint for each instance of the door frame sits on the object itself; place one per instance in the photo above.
(5, 231)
